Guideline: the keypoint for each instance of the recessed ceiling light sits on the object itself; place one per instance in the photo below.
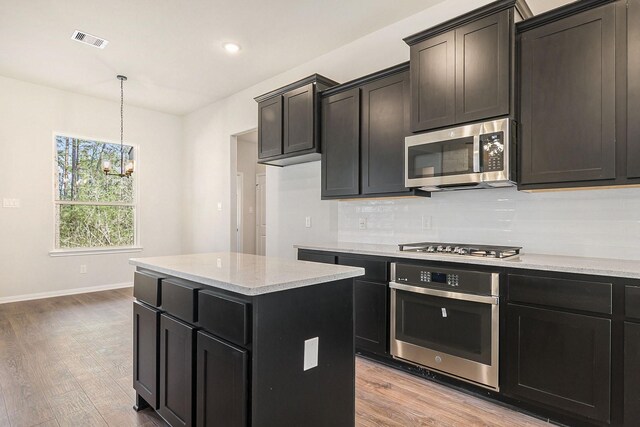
(231, 47)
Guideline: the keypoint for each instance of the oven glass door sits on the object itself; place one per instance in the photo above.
(444, 158)
(455, 327)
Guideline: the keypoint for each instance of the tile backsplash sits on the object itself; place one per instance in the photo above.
(592, 223)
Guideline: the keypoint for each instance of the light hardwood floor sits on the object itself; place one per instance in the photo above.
(67, 362)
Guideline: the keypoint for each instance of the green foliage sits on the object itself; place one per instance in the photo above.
(80, 179)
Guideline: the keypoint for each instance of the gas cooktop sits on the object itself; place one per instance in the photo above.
(487, 251)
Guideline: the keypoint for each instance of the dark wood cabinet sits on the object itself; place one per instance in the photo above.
(568, 99)
(433, 90)
(633, 89)
(288, 122)
(631, 374)
(385, 124)
(270, 127)
(559, 360)
(364, 124)
(223, 383)
(462, 70)
(316, 257)
(371, 316)
(483, 68)
(341, 144)
(177, 384)
(146, 324)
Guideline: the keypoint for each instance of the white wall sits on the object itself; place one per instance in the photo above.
(29, 115)
(208, 151)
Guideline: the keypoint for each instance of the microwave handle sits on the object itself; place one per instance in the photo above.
(476, 153)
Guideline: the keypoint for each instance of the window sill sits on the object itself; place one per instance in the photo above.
(94, 251)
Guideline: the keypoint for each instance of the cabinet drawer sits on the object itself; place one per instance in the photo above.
(373, 270)
(632, 302)
(147, 288)
(225, 317)
(563, 293)
(316, 257)
(180, 299)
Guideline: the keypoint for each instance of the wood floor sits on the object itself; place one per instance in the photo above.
(67, 362)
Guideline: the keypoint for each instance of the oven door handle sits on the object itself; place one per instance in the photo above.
(483, 299)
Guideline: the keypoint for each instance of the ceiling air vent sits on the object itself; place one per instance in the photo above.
(85, 38)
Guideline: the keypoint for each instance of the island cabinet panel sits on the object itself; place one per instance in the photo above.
(341, 144)
(181, 299)
(146, 324)
(177, 384)
(631, 373)
(483, 68)
(433, 87)
(270, 127)
(385, 124)
(147, 288)
(222, 383)
(225, 316)
(370, 302)
(568, 99)
(299, 124)
(316, 257)
(633, 88)
(559, 360)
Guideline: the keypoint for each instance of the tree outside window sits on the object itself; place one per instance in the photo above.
(93, 210)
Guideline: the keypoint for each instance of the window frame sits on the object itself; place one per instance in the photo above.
(135, 204)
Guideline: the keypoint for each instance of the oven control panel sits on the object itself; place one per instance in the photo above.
(492, 151)
(476, 282)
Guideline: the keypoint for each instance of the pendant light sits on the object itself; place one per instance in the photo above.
(125, 171)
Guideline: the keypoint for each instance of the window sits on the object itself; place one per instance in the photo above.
(92, 210)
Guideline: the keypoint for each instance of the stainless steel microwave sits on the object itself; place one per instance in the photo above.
(471, 156)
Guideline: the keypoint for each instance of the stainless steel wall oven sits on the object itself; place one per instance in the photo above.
(446, 320)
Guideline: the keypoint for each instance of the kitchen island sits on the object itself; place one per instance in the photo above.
(235, 340)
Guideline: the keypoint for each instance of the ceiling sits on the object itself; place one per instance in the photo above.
(172, 53)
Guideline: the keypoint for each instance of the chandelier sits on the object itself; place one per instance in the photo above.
(125, 170)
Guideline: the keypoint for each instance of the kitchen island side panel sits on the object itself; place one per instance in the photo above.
(283, 393)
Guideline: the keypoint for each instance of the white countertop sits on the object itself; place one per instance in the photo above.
(246, 274)
(566, 264)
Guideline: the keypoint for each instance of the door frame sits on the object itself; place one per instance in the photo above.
(259, 208)
(239, 211)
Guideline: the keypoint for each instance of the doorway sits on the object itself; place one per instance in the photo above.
(248, 222)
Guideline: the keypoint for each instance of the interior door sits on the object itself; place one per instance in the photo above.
(261, 214)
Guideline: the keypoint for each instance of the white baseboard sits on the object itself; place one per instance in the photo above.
(41, 295)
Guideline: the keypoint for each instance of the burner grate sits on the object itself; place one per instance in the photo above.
(485, 251)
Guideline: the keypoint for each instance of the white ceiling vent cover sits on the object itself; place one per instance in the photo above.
(86, 38)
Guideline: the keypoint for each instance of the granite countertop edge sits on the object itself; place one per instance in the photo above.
(627, 269)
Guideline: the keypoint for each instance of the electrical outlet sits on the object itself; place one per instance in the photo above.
(426, 222)
(220, 206)
(10, 203)
(311, 353)
(307, 222)
(83, 269)
(362, 223)
(219, 262)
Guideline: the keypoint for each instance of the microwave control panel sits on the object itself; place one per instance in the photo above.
(492, 151)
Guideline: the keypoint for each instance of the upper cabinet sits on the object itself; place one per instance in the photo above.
(287, 122)
(633, 90)
(364, 123)
(462, 70)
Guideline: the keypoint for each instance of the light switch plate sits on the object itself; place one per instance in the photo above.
(10, 203)
(362, 223)
(311, 353)
(307, 222)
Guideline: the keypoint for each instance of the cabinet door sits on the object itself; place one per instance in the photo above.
(222, 372)
(633, 88)
(341, 144)
(270, 127)
(560, 360)
(146, 324)
(568, 99)
(176, 371)
(433, 82)
(631, 373)
(385, 123)
(370, 308)
(298, 119)
(482, 68)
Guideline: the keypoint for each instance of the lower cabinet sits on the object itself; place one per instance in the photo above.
(176, 371)
(222, 383)
(146, 321)
(559, 360)
(371, 314)
(316, 257)
(631, 374)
